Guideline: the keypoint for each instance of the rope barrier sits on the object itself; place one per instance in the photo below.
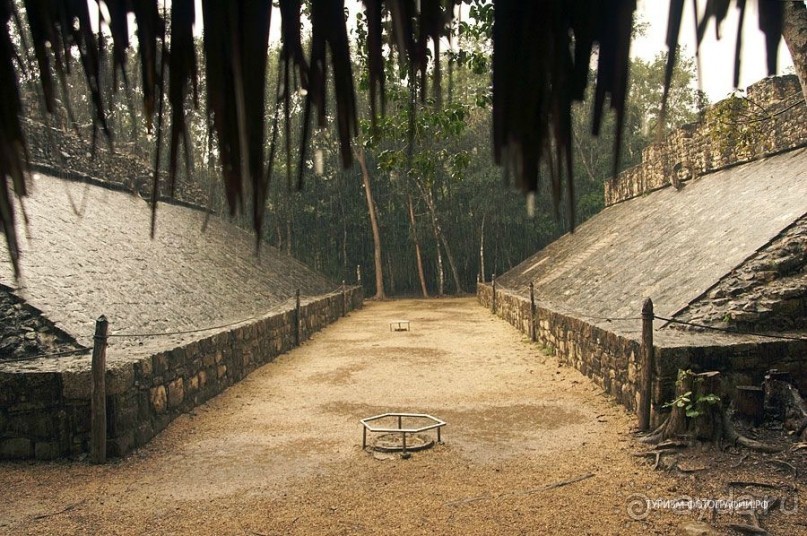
(673, 321)
(731, 331)
(198, 330)
(336, 290)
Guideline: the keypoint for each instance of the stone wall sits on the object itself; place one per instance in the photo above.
(768, 292)
(612, 360)
(46, 415)
(62, 153)
(741, 363)
(25, 332)
(767, 121)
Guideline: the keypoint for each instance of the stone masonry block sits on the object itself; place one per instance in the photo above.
(77, 384)
(43, 389)
(119, 379)
(47, 450)
(159, 364)
(143, 371)
(176, 392)
(143, 433)
(41, 425)
(16, 448)
(176, 359)
(192, 384)
(123, 412)
(158, 399)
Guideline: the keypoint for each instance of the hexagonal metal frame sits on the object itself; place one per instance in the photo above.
(436, 424)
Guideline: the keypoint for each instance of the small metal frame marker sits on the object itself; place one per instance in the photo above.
(433, 424)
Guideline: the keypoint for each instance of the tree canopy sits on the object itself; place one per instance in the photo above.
(541, 57)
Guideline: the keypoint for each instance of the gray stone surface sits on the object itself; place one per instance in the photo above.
(766, 293)
(25, 332)
(669, 245)
(731, 131)
(47, 414)
(76, 267)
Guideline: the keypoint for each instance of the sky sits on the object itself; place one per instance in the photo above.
(717, 57)
(716, 72)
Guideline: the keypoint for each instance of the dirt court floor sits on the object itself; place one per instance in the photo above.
(530, 448)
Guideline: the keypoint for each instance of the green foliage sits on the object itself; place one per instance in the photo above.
(693, 408)
(734, 126)
(684, 102)
(448, 170)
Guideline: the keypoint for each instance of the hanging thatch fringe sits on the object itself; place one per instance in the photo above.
(541, 58)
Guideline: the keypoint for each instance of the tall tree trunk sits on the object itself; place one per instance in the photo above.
(482, 248)
(441, 278)
(453, 265)
(440, 238)
(391, 276)
(372, 210)
(412, 223)
(340, 192)
(288, 233)
(289, 224)
(794, 31)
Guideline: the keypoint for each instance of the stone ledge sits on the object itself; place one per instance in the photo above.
(46, 415)
(690, 151)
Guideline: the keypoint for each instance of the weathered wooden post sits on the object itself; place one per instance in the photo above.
(297, 317)
(344, 298)
(98, 401)
(646, 381)
(493, 300)
(533, 335)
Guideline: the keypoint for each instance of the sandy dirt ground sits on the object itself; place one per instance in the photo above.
(530, 448)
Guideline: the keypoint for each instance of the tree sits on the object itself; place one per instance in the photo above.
(540, 66)
(373, 211)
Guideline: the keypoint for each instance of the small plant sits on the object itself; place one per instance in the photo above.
(693, 408)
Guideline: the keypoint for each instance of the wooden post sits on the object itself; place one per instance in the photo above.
(493, 301)
(344, 298)
(297, 317)
(646, 379)
(532, 312)
(98, 402)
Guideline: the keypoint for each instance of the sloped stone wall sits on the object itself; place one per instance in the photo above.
(768, 292)
(64, 154)
(613, 360)
(47, 415)
(771, 121)
(25, 332)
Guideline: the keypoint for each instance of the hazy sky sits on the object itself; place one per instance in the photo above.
(717, 57)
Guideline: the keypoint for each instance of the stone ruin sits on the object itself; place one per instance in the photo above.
(712, 226)
(190, 312)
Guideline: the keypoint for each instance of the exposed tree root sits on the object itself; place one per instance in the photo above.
(709, 423)
(734, 438)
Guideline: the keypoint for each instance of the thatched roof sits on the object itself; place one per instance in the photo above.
(542, 51)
